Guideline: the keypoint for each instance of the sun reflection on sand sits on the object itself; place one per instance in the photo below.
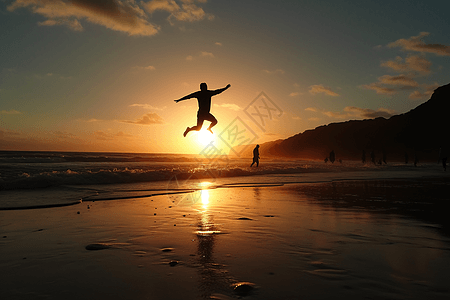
(204, 194)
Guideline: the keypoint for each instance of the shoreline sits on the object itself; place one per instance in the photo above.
(323, 234)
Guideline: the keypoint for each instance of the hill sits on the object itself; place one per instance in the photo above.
(420, 132)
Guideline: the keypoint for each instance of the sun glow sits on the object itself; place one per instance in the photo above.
(205, 137)
(205, 197)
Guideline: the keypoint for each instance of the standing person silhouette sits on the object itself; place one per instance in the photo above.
(204, 106)
(255, 156)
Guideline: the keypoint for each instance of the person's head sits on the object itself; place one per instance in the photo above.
(257, 146)
(203, 86)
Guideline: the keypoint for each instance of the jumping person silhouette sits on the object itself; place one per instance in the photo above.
(204, 106)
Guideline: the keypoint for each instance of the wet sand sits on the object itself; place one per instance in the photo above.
(358, 239)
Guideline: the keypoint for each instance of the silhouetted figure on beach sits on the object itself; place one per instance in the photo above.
(255, 156)
(204, 106)
(416, 159)
(363, 158)
(384, 156)
(372, 157)
(326, 159)
(406, 157)
(332, 156)
(443, 154)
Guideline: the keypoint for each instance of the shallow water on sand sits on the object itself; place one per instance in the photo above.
(384, 239)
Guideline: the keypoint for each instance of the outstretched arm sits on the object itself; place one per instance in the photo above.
(215, 92)
(192, 95)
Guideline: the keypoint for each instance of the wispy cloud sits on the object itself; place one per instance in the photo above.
(416, 44)
(395, 83)
(148, 106)
(118, 15)
(188, 11)
(412, 63)
(277, 71)
(10, 112)
(379, 89)
(369, 113)
(147, 68)
(107, 136)
(202, 54)
(218, 44)
(319, 88)
(294, 94)
(429, 89)
(352, 112)
(231, 106)
(63, 134)
(207, 54)
(92, 120)
(147, 119)
(400, 80)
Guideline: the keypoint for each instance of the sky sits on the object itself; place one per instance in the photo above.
(81, 75)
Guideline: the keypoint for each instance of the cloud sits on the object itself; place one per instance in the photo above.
(188, 11)
(147, 119)
(148, 106)
(413, 63)
(429, 89)
(293, 94)
(10, 112)
(381, 90)
(106, 136)
(148, 68)
(229, 106)
(218, 44)
(208, 54)
(277, 71)
(63, 134)
(202, 54)
(352, 112)
(118, 15)
(369, 113)
(316, 89)
(415, 43)
(90, 120)
(400, 80)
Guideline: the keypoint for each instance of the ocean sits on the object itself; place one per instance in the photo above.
(35, 179)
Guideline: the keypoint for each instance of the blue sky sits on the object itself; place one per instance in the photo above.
(83, 76)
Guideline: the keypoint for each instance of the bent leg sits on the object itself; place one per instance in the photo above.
(213, 121)
(199, 124)
(196, 127)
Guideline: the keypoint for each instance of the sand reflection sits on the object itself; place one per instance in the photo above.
(212, 274)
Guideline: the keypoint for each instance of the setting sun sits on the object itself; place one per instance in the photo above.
(205, 137)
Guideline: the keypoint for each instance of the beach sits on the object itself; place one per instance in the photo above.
(361, 234)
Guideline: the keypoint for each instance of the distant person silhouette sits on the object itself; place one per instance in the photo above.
(255, 156)
(332, 156)
(363, 158)
(372, 157)
(443, 154)
(204, 106)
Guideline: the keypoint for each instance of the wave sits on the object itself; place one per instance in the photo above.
(27, 157)
(36, 180)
